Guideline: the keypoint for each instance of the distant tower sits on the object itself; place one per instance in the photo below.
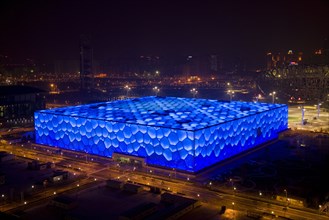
(86, 65)
(326, 51)
(213, 63)
(268, 61)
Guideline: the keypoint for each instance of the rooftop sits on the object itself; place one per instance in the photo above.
(169, 112)
(18, 90)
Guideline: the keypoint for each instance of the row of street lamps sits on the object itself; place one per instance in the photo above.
(156, 90)
(230, 92)
(194, 92)
(128, 89)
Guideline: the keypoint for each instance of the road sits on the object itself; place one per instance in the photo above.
(104, 169)
(192, 190)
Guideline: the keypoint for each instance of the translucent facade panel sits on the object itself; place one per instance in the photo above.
(223, 141)
(181, 133)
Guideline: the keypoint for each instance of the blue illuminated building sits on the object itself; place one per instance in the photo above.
(181, 133)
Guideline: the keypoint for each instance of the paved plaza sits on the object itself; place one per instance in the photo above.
(312, 120)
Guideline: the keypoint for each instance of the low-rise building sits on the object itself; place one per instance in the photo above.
(139, 212)
(114, 184)
(63, 202)
(4, 156)
(132, 188)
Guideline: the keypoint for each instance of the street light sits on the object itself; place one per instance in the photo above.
(156, 90)
(230, 93)
(86, 156)
(175, 175)
(303, 113)
(286, 195)
(273, 96)
(319, 109)
(194, 92)
(127, 88)
(258, 97)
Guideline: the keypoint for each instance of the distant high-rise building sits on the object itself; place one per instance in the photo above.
(149, 65)
(214, 63)
(86, 65)
(278, 60)
(200, 65)
(18, 103)
(273, 60)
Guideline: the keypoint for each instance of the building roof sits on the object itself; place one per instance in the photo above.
(18, 90)
(138, 210)
(64, 199)
(168, 112)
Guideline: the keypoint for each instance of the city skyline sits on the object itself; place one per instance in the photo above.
(164, 109)
(43, 31)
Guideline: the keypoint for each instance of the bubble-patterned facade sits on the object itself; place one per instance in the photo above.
(181, 133)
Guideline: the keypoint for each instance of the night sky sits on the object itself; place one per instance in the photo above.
(50, 30)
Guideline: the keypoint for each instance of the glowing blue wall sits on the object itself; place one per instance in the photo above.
(161, 146)
(220, 142)
(189, 150)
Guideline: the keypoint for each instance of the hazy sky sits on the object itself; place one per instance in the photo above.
(50, 29)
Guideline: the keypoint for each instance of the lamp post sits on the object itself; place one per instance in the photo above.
(258, 97)
(174, 173)
(234, 190)
(156, 90)
(230, 93)
(303, 113)
(127, 88)
(286, 196)
(273, 96)
(194, 92)
(3, 199)
(318, 108)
